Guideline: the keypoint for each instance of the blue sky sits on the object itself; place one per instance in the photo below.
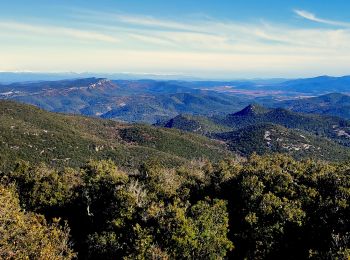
(208, 39)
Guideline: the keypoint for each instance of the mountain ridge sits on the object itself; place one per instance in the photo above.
(145, 101)
(333, 104)
(242, 131)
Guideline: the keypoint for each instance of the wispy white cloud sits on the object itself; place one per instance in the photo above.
(142, 21)
(57, 31)
(151, 21)
(146, 38)
(214, 34)
(150, 44)
(312, 17)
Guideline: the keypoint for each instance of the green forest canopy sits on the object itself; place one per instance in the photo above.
(270, 207)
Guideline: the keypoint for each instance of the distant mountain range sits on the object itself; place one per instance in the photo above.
(151, 101)
(334, 104)
(12, 77)
(132, 101)
(317, 85)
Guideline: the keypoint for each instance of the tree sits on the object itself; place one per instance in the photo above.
(197, 232)
(27, 235)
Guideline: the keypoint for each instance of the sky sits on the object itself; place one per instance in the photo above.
(221, 39)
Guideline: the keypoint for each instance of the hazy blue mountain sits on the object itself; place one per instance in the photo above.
(279, 88)
(12, 77)
(322, 84)
(149, 108)
(335, 104)
(128, 100)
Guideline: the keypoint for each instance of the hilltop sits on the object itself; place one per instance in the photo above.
(196, 124)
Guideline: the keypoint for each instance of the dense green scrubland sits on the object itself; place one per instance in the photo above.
(257, 129)
(34, 135)
(269, 207)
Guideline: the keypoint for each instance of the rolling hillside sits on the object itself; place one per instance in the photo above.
(330, 127)
(262, 130)
(32, 134)
(271, 138)
(334, 104)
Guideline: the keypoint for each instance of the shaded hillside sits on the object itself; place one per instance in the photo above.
(247, 131)
(328, 126)
(317, 85)
(334, 104)
(271, 138)
(32, 134)
(256, 114)
(197, 124)
(154, 108)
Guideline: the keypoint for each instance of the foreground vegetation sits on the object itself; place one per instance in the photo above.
(270, 207)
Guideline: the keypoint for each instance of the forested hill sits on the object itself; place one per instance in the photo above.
(32, 134)
(267, 130)
(254, 114)
(267, 138)
(335, 104)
